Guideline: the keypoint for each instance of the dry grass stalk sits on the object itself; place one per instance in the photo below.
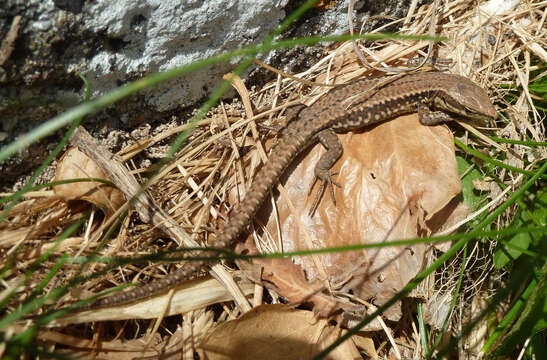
(495, 50)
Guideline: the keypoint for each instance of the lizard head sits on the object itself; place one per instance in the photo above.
(465, 98)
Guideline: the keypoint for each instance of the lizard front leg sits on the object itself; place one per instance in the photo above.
(330, 141)
(430, 117)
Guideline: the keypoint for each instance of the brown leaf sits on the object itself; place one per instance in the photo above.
(394, 178)
(366, 344)
(275, 332)
(75, 164)
(289, 280)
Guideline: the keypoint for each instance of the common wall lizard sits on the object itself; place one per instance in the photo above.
(435, 96)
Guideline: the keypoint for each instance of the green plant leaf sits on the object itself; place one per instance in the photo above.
(504, 254)
(510, 248)
(471, 197)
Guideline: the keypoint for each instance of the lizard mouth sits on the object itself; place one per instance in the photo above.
(482, 121)
(481, 117)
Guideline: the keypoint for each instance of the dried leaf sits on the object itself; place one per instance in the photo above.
(366, 344)
(395, 177)
(275, 332)
(73, 165)
(289, 280)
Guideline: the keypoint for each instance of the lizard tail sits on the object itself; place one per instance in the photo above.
(187, 271)
(294, 141)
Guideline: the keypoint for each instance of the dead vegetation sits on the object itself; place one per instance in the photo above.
(497, 48)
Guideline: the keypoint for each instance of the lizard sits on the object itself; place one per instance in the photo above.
(435, 96)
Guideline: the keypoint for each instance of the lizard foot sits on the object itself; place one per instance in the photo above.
(325, 176)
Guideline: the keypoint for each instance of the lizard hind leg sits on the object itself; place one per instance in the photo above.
(330, 141)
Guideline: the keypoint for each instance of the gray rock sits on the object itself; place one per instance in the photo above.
(115, 42)
(159, 35)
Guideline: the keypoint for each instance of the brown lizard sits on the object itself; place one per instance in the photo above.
(435, 96)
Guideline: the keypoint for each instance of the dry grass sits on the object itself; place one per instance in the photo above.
(498, 52)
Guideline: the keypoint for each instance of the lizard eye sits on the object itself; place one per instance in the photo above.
(472, 109)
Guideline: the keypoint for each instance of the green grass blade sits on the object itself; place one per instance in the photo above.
(532, 319)
(510, 316)
(32, 305)
(452, 303)
(481, 156)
